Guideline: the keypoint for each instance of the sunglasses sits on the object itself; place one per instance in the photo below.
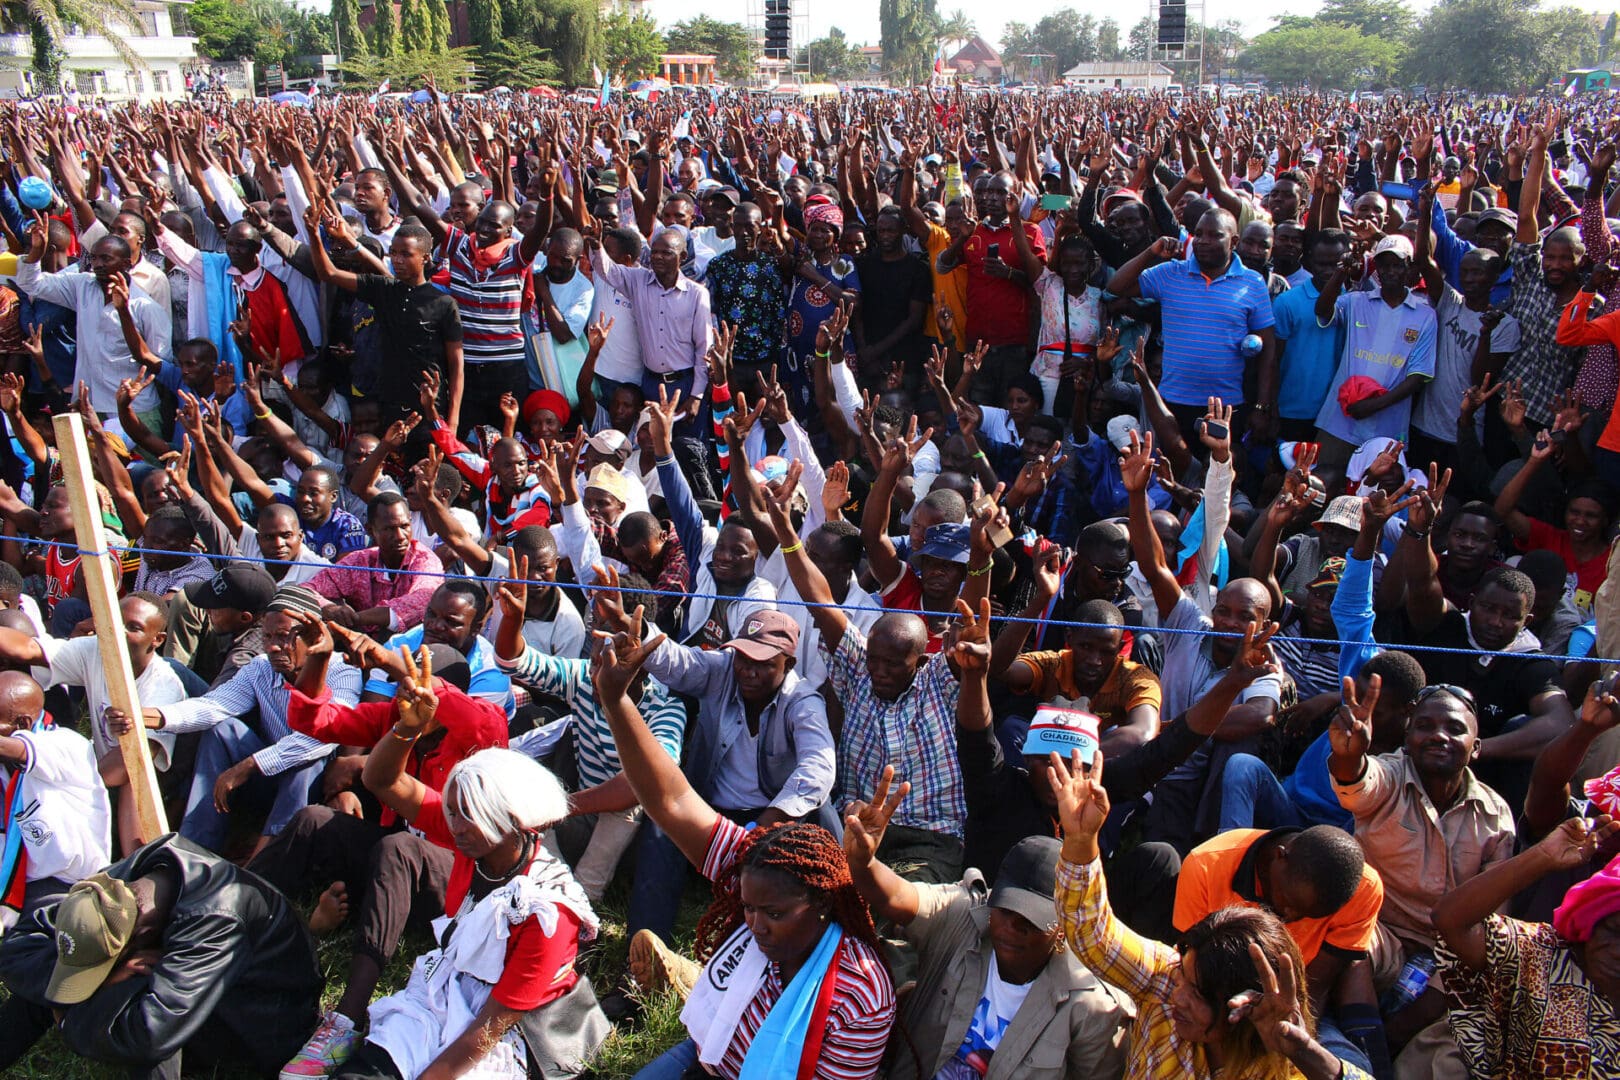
(1455, 691)
(1123, 574)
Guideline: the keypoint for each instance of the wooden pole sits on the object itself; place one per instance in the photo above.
(100, 572)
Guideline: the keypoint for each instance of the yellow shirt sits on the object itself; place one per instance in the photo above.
(951, 288)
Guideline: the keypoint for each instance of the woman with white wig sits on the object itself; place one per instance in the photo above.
(500, 990)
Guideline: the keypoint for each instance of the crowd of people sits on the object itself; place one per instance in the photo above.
(1101, 584)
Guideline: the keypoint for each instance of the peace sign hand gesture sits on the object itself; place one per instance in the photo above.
(417, 701)
(619, 657)
(513, 596)
(1351, 732)
(1274, 1010)
(866, 822)
(968, 640)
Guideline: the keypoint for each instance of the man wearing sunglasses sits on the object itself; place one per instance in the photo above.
(1427, 825)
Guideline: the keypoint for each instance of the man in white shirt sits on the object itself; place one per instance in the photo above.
(56, 802)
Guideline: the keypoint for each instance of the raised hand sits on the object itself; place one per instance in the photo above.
(1136, 463)
(1218, 418)
(596, 333)
(416, 698)
(619, 658)
(968, 640)
(1254, 659)
(397, 432)
(1576, 840)
(1475, 396)
(607, 603)
(428, 394)
(1274, 1009)
(1513, 405)
(513, 596)
(835, 491)
(1082, 801)
(1381, 505)
(866, 822)
(661, 416)
(1351, 731)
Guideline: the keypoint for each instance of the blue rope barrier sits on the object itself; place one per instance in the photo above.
(797, 602)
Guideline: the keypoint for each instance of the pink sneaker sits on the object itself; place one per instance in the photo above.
(328, 1048)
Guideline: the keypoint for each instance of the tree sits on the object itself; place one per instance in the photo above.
(452, 69)
(1388, 19)
(384, 30)
(1140, 43)
(1498, 46)
(264, 31)
(570, 29)
(1055, 44)
(415, 27)
(1323, 55)
(1606, 39)
(834, 57)
(1108, 47)
(956, 27)
(484, 25)
(631, 45)
(50, 21)
(907, 28)
(730, 43)
(439, 22)
(346, 28)
(516, 63)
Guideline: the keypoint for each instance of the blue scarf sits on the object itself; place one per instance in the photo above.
(221, 295)
(778, 1045)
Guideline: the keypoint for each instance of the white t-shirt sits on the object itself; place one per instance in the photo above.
(77, 662)
(563, 636)
(66, 819)
(620, 358)
(308, 565)
(997, 1006)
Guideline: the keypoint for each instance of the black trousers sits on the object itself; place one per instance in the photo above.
(394, 877)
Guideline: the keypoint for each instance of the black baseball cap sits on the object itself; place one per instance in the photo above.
(240, 586)
(1026, 884)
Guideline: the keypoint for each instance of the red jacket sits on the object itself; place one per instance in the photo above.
(469, 724)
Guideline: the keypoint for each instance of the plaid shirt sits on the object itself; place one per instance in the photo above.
(1144, 970)
(359, 580)
(1541, 364)
(915, 733)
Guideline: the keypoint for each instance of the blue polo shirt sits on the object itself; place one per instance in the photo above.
(1205, 320)
(1310, 353)
(1386, 344)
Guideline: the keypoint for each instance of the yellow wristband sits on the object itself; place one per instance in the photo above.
(797, 545)
(981, 571)
(263, 415)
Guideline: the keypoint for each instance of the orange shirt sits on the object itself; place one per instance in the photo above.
(1220, 873)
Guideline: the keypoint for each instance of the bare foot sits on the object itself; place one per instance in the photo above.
(330, 910)
(347, 802)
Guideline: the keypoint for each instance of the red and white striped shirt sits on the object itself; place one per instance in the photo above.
(490, 298)
(862, 1010)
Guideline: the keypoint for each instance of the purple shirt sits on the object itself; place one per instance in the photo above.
(672, 324)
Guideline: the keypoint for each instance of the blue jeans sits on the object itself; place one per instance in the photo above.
(655, 891)
(1340, 1045)
(1253, 798)
(227, 743)
(672, 1064)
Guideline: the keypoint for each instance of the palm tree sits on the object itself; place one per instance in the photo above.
(115, 20)
(956, 27)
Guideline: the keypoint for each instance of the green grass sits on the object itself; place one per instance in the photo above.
(630, 1047)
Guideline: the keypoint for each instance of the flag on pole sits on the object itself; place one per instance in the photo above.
(607, 89)
(1569, 91)
(939, 59)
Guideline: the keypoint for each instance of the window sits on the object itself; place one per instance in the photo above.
(149, 23)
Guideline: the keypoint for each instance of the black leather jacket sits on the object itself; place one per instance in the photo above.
(235, 956)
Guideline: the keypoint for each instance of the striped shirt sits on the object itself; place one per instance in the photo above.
(570, 680)
(916, 733)
(1145, 970)
(1205, 319)
(490, 299)
(862, 1008)
(259, 685)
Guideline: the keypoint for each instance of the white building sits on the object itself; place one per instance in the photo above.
(92, 66)
(1121, 75)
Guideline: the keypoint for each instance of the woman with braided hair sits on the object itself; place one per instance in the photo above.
(793, 984)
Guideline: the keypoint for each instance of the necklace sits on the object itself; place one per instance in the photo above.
(522, 861)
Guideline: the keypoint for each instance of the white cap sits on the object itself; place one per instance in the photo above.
(1119, 431)
(1400, 245)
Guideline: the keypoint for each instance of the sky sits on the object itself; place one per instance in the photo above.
(859, 18)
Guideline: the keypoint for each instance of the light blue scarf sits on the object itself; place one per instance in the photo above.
(779, 1043)
(221, 296)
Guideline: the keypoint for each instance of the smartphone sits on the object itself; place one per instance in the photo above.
(999, 534)
(992, 251)
(1056, 202)
(1215, 429)
(1391, 190)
